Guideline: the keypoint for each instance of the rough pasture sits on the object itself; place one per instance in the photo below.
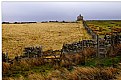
(15, 37)
(104, 26)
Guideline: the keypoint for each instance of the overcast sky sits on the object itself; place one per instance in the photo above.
(68, 11)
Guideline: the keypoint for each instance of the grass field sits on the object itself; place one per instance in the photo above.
(104, 26)
(50, 35)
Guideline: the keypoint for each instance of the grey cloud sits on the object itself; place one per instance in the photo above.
(44, 11)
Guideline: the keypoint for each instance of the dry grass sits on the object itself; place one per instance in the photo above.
(83, 73)
(36, 76)
(50, 35)
(5, 67)
(78, 73)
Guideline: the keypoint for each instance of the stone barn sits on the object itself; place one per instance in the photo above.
(79, 17)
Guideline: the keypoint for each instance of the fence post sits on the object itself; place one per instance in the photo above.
(97, 45)
(28, 54)
(6, 56)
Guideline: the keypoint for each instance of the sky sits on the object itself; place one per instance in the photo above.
(68, 11)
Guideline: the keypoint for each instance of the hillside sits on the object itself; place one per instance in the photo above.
(15, 37)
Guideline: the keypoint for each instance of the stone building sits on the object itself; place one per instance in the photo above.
(79, 17)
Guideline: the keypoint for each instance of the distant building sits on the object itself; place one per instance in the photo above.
(79, 17)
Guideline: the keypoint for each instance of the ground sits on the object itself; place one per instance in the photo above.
(103, 27)
(15, 37)
(52, 36)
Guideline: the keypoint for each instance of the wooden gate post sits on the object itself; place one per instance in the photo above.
(97, 46)
(28, 54)
(6, 56)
